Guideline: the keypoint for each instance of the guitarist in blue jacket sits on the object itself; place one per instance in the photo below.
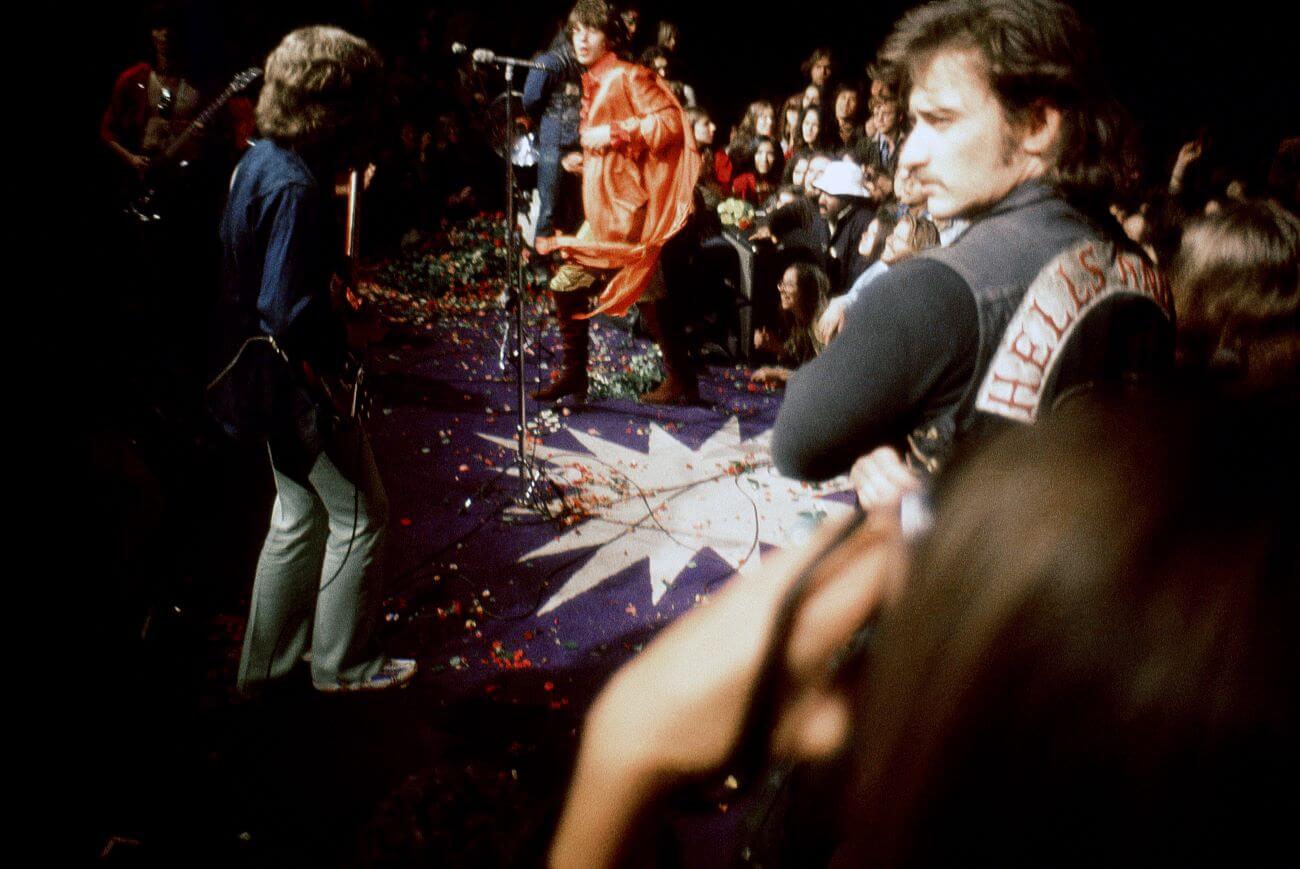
(316, 585)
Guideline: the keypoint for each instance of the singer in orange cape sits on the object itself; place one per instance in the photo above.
(639, 166)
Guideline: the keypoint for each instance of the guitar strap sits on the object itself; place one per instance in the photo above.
(230, 366)
(223, 394)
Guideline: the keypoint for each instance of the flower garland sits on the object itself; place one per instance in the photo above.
(457, 271)
(626, 375)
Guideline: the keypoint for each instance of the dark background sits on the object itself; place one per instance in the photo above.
(1177, 68)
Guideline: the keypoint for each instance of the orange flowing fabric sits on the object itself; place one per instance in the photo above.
(637, 192)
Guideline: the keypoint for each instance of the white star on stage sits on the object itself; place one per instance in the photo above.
(667, 504)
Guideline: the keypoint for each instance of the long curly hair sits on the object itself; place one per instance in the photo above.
(319, 83)
(811, 294)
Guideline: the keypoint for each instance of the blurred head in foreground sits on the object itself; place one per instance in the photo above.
(1095, 657)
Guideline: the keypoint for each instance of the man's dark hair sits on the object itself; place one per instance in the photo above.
(651, 54)
(1236, 281)
(849, 87)
(1032, 52)
(819, 54)
(160, 16)
(602, 16)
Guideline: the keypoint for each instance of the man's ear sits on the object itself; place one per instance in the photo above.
(1042, 130)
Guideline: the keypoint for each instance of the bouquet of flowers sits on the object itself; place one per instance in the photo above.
(737, 213)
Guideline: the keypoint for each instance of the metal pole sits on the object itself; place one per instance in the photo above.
(512, 276)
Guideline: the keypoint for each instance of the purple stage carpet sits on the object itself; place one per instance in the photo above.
(639, 510)
(517, 612)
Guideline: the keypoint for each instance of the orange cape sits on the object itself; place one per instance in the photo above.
(638, 192)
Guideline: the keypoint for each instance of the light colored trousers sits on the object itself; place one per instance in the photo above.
(316, 585)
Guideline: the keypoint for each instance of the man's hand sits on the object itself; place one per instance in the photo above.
(595, 138)
(770, 375)
(832, 320)
(138, 163)
(572, 162)
(1187, 155)
(677, 710)
(761, 233)
(881, 479)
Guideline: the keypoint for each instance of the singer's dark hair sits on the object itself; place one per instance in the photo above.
(602, 16)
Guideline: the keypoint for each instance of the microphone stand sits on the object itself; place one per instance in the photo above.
(530, 479)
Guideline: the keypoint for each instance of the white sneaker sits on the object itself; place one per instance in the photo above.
(395, 673)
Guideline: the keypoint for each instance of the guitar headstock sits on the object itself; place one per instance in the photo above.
(244, 79)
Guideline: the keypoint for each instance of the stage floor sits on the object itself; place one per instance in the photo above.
(517, 613)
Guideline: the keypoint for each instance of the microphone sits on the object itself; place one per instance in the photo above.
(486, 56)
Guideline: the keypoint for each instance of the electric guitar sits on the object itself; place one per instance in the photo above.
(144, 204)
(345, 392)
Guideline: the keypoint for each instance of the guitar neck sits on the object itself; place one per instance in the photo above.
(241, 81)
(196, 125)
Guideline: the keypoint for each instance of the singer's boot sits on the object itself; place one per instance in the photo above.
(681, 386)
(572, 379)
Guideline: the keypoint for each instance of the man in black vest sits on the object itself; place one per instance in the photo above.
(1033, 300)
